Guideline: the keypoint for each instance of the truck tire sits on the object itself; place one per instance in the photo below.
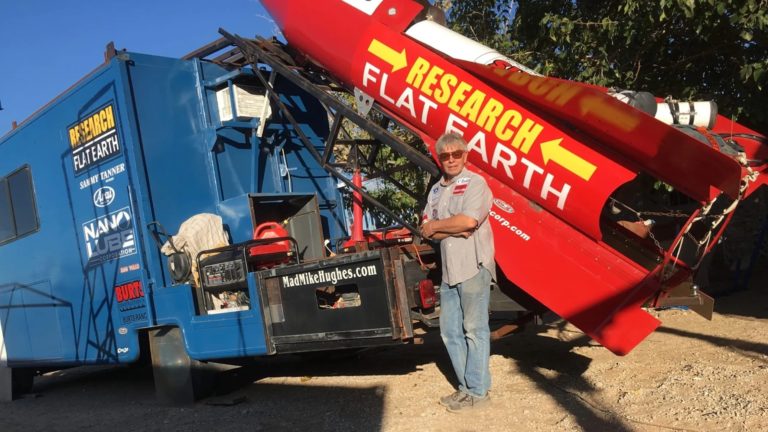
(179, 380)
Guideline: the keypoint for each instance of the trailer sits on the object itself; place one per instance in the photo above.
(164, 206)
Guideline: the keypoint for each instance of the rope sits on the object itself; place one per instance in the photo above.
(418, 256)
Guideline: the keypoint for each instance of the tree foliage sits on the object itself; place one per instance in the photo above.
(689, 49)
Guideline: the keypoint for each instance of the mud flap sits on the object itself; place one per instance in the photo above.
(179, 380)
(14, 382)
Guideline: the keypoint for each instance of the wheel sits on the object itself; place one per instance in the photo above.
(179, 380)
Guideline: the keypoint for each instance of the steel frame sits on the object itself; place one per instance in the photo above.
(363, 153)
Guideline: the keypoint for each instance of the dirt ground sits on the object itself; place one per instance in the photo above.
(690, 375)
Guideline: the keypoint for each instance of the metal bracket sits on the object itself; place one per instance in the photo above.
(364, 102)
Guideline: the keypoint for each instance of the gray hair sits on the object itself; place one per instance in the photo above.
(451, 138)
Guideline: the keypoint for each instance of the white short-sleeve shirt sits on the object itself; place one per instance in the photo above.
(467, 194)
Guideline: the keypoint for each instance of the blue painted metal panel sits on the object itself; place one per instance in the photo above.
(176, 140)
(236, 215)
(43, 311)
(13, 319)
(233, 334)
(302, 173)
(86, 245)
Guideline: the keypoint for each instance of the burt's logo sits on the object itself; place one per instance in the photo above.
(129, 291)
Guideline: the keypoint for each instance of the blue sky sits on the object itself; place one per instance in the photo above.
(47, 45)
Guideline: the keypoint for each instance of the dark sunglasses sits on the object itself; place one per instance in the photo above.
(457, 154)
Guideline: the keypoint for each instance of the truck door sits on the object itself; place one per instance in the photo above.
(105, 218)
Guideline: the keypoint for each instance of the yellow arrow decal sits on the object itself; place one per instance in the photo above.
(551, 150)
(604, 110)
(396, 59)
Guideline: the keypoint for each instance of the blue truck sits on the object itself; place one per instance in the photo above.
(98, 187)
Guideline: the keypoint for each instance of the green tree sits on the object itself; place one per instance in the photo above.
(689, 49)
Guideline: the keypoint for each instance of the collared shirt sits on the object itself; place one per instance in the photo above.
(466, 194)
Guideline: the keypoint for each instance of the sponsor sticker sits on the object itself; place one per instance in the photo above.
(329, 276)
(503, 206)
(105, 176)
(109, 237)
(135, 317)
(123, 350)
(123, 330)
(129, 268)
(130, 296)
(94, 139)
(129, 291)
(103, 196)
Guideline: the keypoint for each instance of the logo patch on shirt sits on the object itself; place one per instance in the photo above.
(462, 181)
(435, 189)
(459, 189)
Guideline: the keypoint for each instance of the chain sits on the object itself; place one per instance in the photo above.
(640, 219)
(675, 213)
(704, 215)
(656, 242)
(640, 214)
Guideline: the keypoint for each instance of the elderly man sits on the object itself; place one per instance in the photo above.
(457, 215)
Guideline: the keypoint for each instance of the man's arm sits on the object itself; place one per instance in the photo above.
(454, 225)
(440, 236)
(429, 232)
(476, 205)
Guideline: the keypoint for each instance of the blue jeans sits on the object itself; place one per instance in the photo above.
(465, 332)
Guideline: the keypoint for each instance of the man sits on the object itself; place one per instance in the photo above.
(457, 215)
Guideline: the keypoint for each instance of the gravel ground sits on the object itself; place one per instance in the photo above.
(690, 375)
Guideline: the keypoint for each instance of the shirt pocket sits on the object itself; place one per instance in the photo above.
(455, 203)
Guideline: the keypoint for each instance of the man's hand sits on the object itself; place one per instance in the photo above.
(464, 234)
(427, 229)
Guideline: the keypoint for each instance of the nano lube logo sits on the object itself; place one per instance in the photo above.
(109, 237)
(103, 196)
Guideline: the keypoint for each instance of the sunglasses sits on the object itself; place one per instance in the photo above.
(457, 154)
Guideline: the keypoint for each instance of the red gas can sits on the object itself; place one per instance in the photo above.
(270, 253)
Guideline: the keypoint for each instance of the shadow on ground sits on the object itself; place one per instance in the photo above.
(125, 396)
(557, 371)
(243, 398)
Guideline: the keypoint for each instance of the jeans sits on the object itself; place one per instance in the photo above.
(465, 332)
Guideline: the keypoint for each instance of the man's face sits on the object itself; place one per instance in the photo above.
(452, 158)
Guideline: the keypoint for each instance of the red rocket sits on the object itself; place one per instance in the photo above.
(560, 156)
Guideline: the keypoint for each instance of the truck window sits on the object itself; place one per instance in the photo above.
(7, 228)
(18, 212)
